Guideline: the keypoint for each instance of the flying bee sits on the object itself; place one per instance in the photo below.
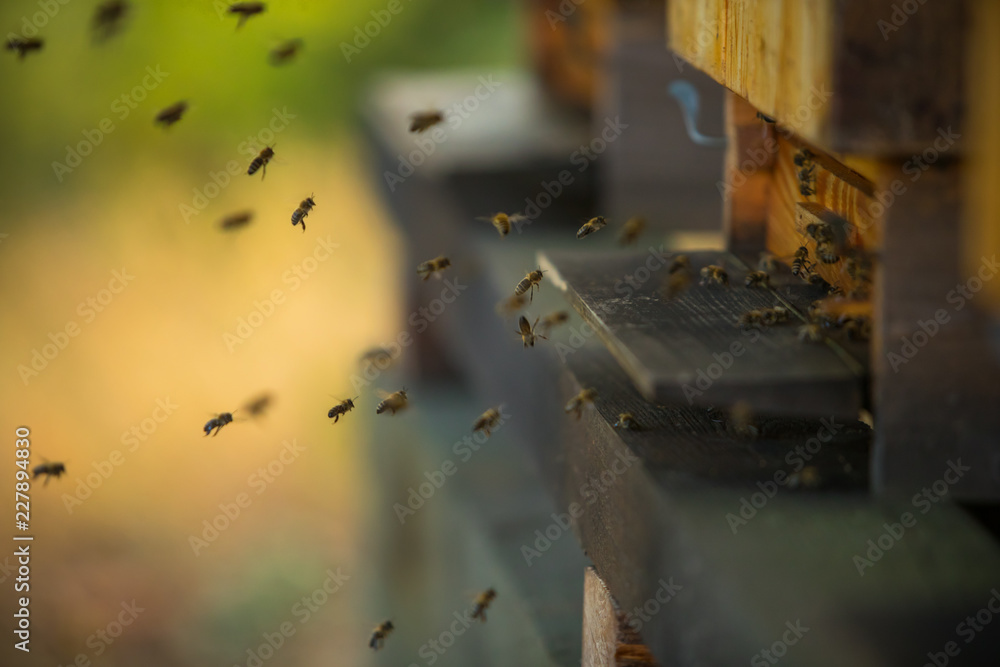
(502, 221)
(24, 45)
(341, 409)
(803, 157)
(679, 263)
(767, 263)
(577, 403)
(677, 281)
(758, 279)
(626, 422)
(751, 318)
(171, 114)
(591, 226)
(483, 601)
(108, 18)
(800, 262)
(827, 252)
(527, 332)
(487, 421)
(631, 230)
(509, 306)
(50, 470)
(554, 319)
(246, 10)
(285, 51)
(379, 357)
(530, 282)
(714, 274)
(260, 162)
(392, 402)
(811, 332)
(258, 406)
(217, 422)
(379, 634)
(433, 266)
(422, 121)
(236, 220)
(807, 180)
(299, 214)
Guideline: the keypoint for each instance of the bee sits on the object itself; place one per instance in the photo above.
(741, 421)
(577, 403)
(811, 332)
(487, 421)
(379, 634)
(827, 253)
(800, 262)
(858, 269)
(171, 114)
(246, 10)
(392, 402)
(425, 120)
(530, 282)
(772, 316)
(803, 157)
(299, 214)
(285, 51)
(714, 274)
(433, 266)
(679, 263)
(807, 180)
(527, 332)
(751, 318)
(859, 294)
(859, 328)
(626, 422)
(758, 279)
(379, 357)
(236, 220)
(767, 263)
(340, 409)
(591, 226)
(554, 320)
(50, 470)
(631, 230)
(677, 281)
(821, 232)
(217, 422)
(503, 221)
(483, 601)
(836, 290)
(509, 306)
(260, 162)
(24, 45)
(258, 406)
(108, 18)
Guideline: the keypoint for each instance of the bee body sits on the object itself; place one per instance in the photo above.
(487, 421)
(509, 306)
(530, 282)
(299, 214)
(50, 470)
(800, 262)
(285, 51)
(767, 263)
(772, 316)
(424, 120)
(714, 274)
(245, 10)
(171, 114)
(108, 18)
(379, 634)
(502, 222)
(679, 263)
(577, 403)
(433, 266)
(827, 253)
(527, 332)
(392, 402)
(236, 220)
(340, 409)
(24, 45)
(677, 281)
(554, 320)
(758, 279)
(217, 422)
(260, 162)
(751, 318)
(626, 422)
(631, 230)
(591, 226)
(483, 601)
(258, 406)
(807, 180)
(812, 333)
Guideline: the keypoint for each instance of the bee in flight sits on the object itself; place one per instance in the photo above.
(379, 634)
(530, 282)
(503, 221)
(258, 406)
(631, 230)
(577, 403)
(341, 409)
(24, 45)
(509, 306)
(285, 51)
(626, 422)
(299, 214)
(679, 263)
(591, 226)
(483, 601)
(758, 279)
(422, 121)
(171, 114)
(433, 267)
(714, 274)
(527, 332)
(553, 320)
(109, 17)
(50, 470)
(392, 402)
(677, 282)
(245, 10)
(487, 421)
(379, 357)
(260, 162)
(217, 422)
(236, 220)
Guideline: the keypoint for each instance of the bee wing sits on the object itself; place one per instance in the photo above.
(383, 394)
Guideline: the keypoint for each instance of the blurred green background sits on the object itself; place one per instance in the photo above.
(161, 338)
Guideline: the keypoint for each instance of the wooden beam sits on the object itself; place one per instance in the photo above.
(608, 639)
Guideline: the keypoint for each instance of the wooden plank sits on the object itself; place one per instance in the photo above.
(681, 350)
(608, 640)
(747, 175)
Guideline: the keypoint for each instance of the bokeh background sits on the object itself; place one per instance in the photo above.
(161, 338)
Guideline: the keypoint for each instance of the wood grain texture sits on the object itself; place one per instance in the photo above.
(608, 640)
(690, 349)
(746, 186)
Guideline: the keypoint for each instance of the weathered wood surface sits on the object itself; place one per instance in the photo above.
(850, 76)
(682, 349)
(608, 638)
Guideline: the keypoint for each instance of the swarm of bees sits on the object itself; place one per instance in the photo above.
(245, 10)
(631, 230)
(527, 332)
(24, 45)
(591, 226)
(260, 162)
(483, 601)
(171, 114)
(50, 470)
(487, 421)
(531, 282)
(433, 267)
(422, 121)
(580, 401)
(341, 409)
(393, 402)
(217, 422)
(379, 634)
(806, 172)
(299, 214)
(502, 221)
